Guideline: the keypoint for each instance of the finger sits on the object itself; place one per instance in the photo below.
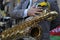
(38, 13)
(33, 14)
(39, 10)
(39, 7)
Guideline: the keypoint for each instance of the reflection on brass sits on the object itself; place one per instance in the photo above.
(52, 17)
(27, 28)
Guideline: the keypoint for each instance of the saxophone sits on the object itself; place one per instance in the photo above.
(27, 28)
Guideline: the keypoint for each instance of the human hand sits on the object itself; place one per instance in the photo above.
(32, 11)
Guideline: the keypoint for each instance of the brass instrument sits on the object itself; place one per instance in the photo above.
(46, 9)
(27, 28)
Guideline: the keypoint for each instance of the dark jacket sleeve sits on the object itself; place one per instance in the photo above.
(54, 7)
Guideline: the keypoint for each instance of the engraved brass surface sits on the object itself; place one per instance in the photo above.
(27, 28)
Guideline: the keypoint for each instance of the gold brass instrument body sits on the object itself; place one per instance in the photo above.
(27, 28)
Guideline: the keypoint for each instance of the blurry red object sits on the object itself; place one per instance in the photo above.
(56, 31)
